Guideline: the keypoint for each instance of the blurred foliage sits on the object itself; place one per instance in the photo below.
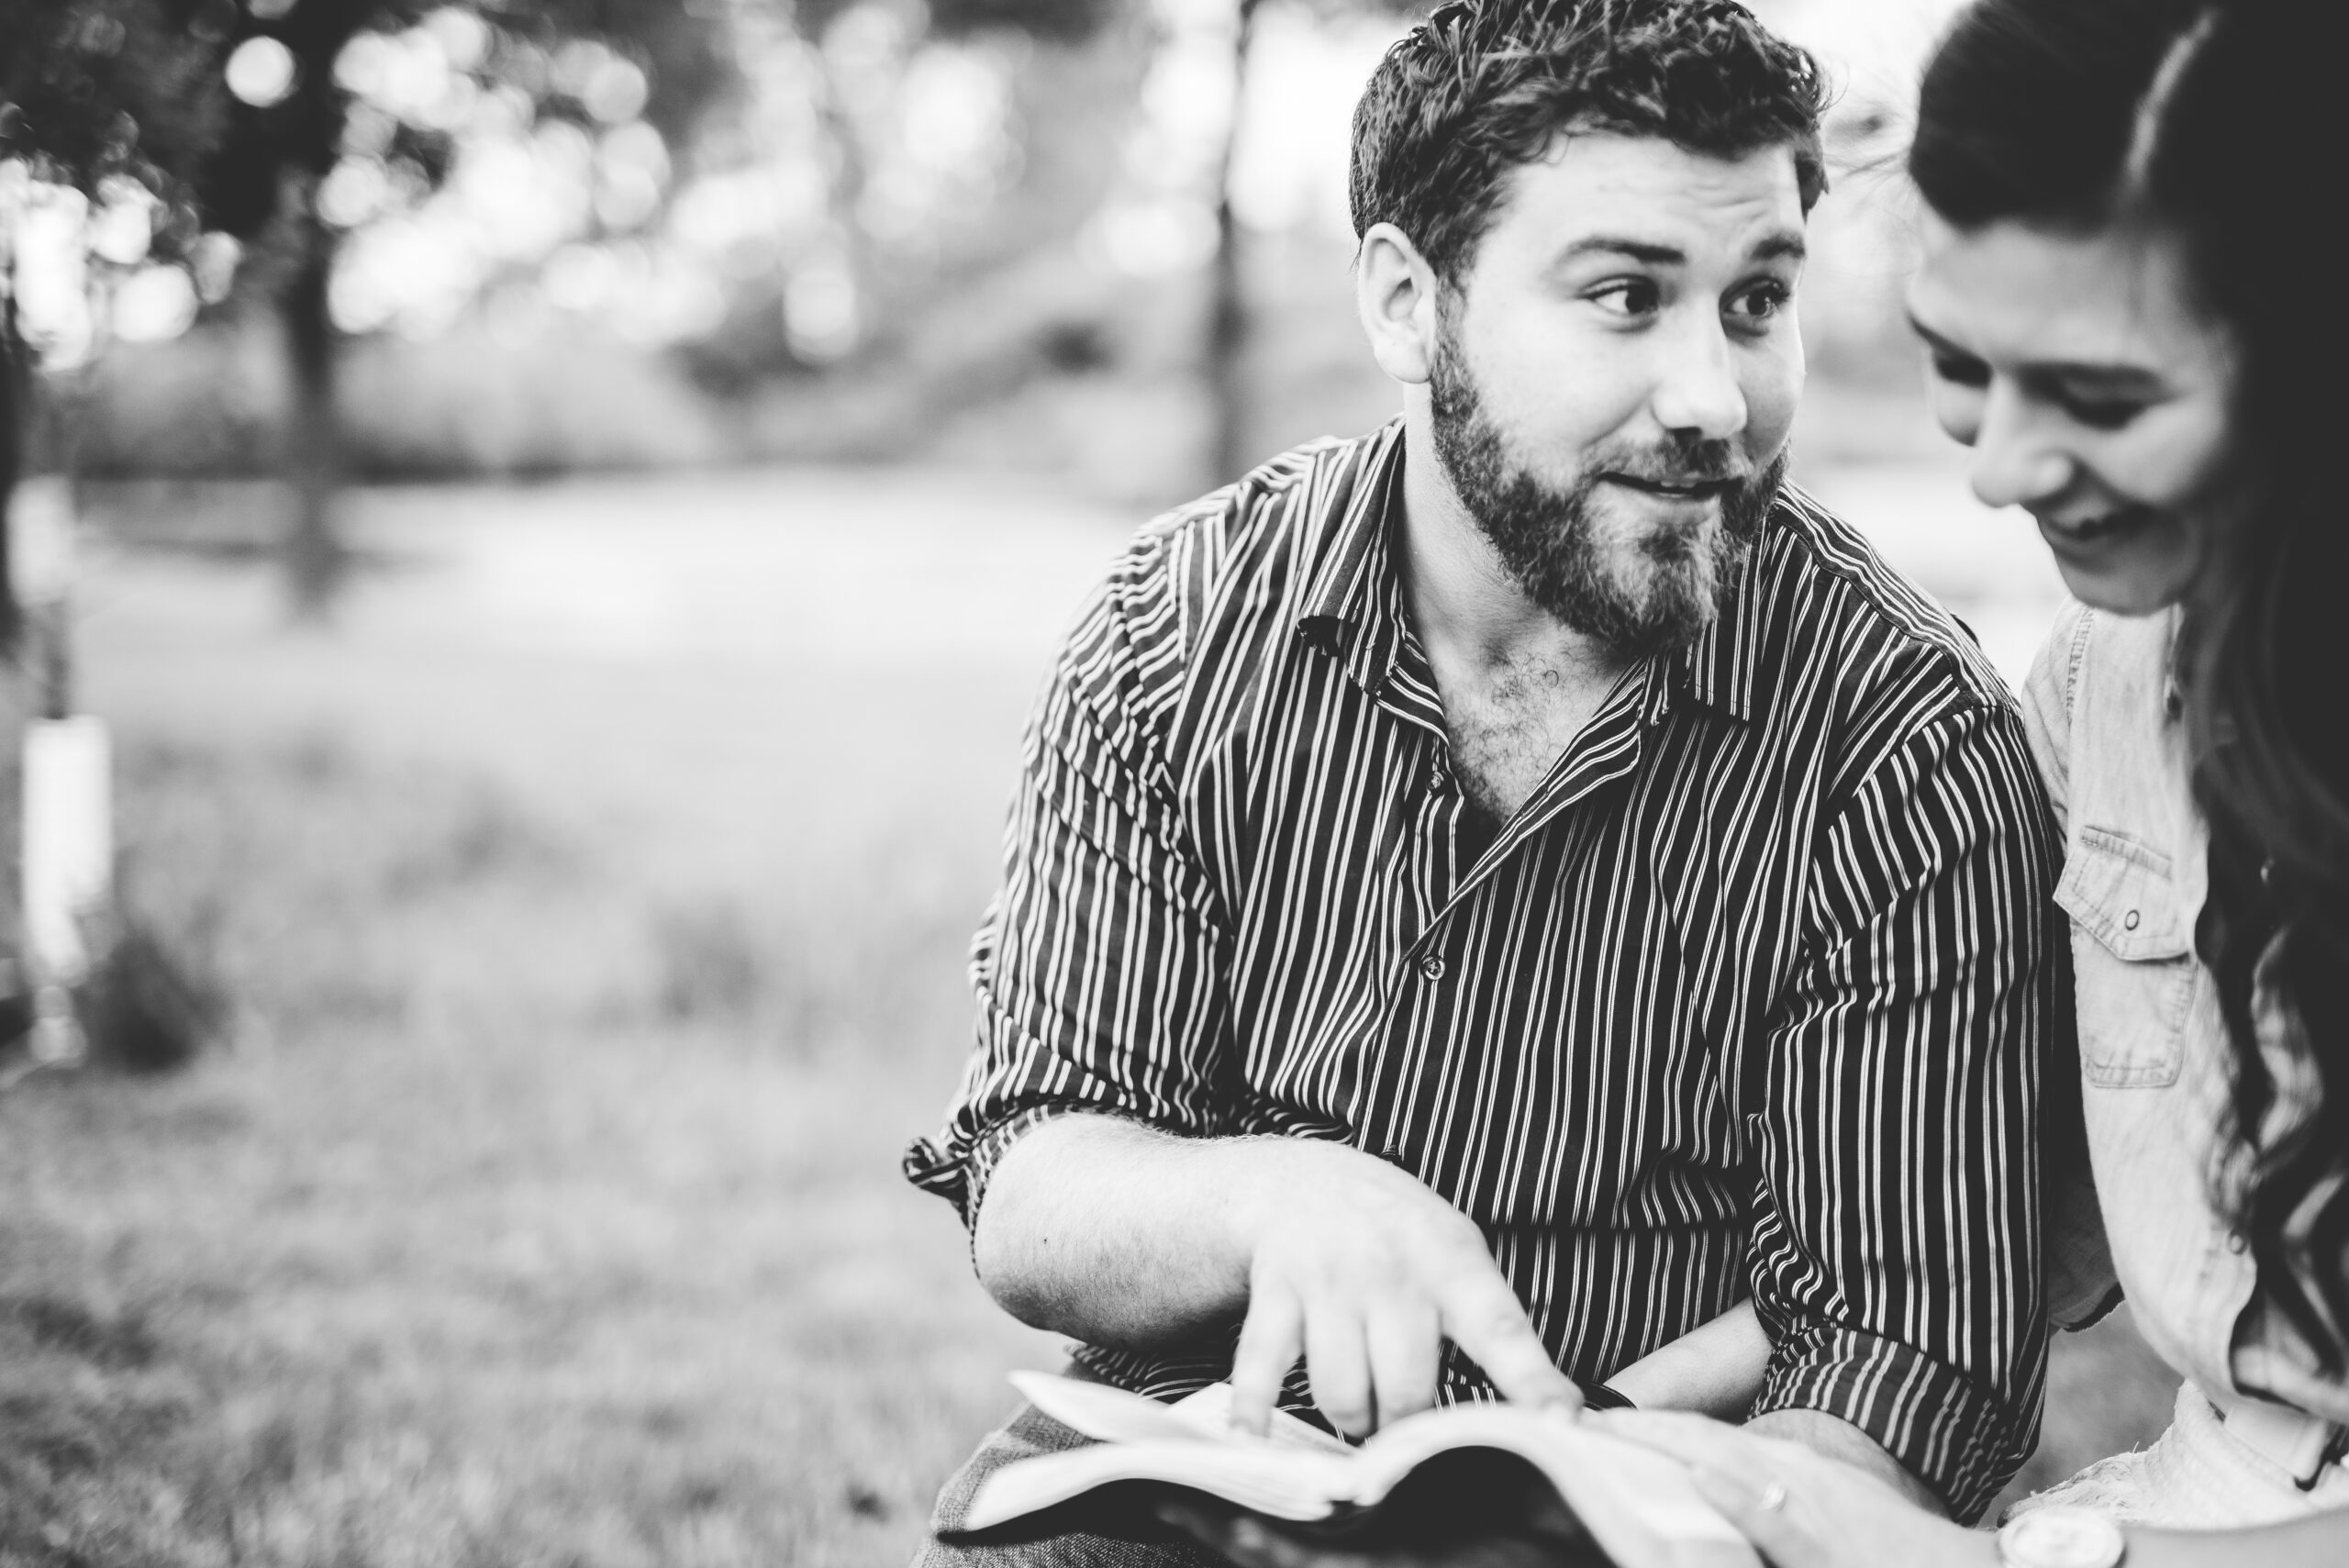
(1060, 21)
(681, 48)
(93, 88)
(117, 99)
(894, 212)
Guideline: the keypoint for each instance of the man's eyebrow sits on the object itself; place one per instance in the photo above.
(1645, 251)
(1777, 247)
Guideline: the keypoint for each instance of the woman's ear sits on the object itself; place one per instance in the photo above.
(1394, 294)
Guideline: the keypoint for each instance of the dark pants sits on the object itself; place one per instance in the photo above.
(1026, 1434)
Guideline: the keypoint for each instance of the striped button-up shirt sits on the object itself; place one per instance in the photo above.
(1748, 998)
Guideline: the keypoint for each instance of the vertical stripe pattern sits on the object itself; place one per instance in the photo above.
(1749, 997)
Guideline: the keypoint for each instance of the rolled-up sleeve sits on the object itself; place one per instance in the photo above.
(1897, 1243)
(1098, 968)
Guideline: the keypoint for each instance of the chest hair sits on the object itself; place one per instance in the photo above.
(1510, 729)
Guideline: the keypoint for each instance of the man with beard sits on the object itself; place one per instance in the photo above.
(1521, 902)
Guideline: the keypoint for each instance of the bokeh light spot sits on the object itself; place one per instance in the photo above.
(154, 304)
(262, 72)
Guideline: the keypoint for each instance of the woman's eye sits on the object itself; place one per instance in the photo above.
(1629, 297)
(1961, 371)
(2102, 414)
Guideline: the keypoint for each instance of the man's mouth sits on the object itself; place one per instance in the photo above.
(1674, 489)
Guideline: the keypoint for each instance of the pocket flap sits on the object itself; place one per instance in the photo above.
(2118, 889)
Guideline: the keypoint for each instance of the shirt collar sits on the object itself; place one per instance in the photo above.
(1353, 604)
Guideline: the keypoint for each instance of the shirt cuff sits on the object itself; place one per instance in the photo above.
(1945, 1431)
(962, 1180)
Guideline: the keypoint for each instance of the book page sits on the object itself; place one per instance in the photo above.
(1115, 1414)
(1281, 1481)
(1639, 1505)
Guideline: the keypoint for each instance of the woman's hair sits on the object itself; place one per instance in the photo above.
(2217, 126)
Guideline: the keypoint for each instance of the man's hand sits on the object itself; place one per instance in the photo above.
(1118, 1234)
(1364, 1271)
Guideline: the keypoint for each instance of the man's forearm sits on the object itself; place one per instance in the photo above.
(1115, 1233)
(1839, 1439)
(1123, 1236)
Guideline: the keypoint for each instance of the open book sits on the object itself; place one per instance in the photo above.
(1431, 1474)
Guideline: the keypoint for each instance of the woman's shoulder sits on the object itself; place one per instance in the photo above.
(2097, 695)
(2084, 643)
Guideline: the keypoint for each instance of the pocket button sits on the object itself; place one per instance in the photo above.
(2131, 921)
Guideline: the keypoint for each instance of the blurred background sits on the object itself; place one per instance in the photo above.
(533, 525)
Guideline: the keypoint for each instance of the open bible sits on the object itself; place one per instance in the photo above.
(1467, 1472)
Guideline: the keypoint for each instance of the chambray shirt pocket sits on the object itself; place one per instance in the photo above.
(2133, 961)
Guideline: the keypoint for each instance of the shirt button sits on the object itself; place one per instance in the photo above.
(1435, 777)
(2131, 920)
(2236, 1242)
(1431, 966)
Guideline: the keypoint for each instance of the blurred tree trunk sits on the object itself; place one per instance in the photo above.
(16, 392)
(16, 687)
(845, 199)
(316, 556)
(29, 446)
(1228, 326)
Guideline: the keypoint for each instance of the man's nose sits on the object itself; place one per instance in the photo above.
(2017, 459)
(1699, 392)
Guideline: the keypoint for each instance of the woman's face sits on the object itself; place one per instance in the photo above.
(2093, 393)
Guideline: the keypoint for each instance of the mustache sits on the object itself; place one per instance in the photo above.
(1679, 460)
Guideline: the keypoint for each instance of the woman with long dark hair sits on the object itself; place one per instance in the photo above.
(2132, 302)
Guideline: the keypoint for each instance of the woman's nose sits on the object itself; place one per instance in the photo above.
(2017, 459)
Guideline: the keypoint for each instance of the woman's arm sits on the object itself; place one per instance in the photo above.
(2316, 1542)
(1824, 1515)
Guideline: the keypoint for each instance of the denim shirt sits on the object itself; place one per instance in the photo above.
(2103, 717)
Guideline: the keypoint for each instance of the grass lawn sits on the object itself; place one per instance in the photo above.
(546, 1211)
(593, 897)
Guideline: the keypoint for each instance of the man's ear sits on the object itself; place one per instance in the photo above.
(1394, 294)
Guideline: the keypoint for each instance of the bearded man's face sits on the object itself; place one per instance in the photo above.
(1614, 379)
(1635, 584)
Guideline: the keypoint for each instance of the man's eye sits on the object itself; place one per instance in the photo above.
(1761, 302)
(1627, 296)
(1961, 371)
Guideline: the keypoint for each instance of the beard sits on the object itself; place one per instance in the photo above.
(1634, 595)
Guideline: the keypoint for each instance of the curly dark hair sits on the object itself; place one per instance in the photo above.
(1484, 87)
(2204, 122)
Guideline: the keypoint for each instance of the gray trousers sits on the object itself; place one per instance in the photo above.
(1028, 1433)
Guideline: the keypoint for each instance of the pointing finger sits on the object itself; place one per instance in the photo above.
(1405, 1346)
(1338, 1366)
(1271, 1338)
(1486, 1321)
